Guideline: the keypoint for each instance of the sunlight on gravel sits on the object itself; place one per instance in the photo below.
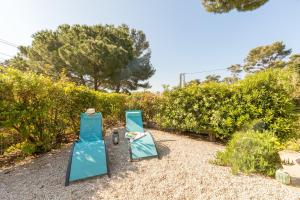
(183, 172)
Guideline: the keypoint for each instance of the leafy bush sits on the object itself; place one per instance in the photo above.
(8, 137)
(33, 105)
(111, 105)
(41, 110)
(255, 125)
(146, 101)
(26, 148)
(251, 152)
(222, 109)
(197, 108)
(267, 96)
(293, 145)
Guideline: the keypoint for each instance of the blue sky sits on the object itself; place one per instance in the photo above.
(183, 36)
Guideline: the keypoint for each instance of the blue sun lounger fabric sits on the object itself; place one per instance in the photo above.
(143, 147)
(89, 154)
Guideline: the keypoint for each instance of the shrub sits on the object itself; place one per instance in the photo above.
(222, 109)
(146, 101)
(111, 105)
(41, 110)
(268, 96)
(197, 108)
(293, 145)
(34, 106)
(8, 137)
(255, 125)
(251, 152)
(26, 148)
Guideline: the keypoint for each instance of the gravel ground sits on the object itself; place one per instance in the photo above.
(183, 172)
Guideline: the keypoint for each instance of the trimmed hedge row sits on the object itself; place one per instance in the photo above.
(42, 110)
(147, 102)
(221, 109)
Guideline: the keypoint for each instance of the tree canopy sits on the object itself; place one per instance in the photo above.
(267, 56)
(294, 62)
(260, 58)
(212, 78)
(99, 56)
(224, 6)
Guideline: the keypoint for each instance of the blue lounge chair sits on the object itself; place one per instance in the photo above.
(144, 147)
(89, 156)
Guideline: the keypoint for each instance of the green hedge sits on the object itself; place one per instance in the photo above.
(41, 110)
(111, 105)
(222, 109)
(147, 102)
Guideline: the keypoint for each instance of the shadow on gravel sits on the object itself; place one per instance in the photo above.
(295, 182)
(163, 150)
(195, 136)
(45, 175)
(119, 156)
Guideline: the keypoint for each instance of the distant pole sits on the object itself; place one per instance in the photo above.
(182, 75)
(181, 80)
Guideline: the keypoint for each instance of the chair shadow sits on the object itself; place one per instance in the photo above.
(56, 163)
(163, 150)
(119, 158)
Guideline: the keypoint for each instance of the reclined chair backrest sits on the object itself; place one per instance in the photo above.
(90, 127)
(134, 121)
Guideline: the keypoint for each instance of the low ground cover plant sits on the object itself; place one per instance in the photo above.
(251, 152)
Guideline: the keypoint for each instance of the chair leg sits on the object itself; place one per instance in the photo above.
(107, 161)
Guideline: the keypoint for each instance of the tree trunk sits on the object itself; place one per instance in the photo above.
(211, 137)
(118, 88)
(95, 84)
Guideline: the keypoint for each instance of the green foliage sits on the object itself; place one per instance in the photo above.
(293, 145)
(99, 56)
(111, 105)
(251, 152)
(196, 108)
(230, 80)
(8, 137)
(222, 109)
(145, 101)
(294, 62)
(212, 78)
(224, 6)
(41, 110)
(235, 71)
(32, 105)
(267, 56)
(26, 148)
(256, 125)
